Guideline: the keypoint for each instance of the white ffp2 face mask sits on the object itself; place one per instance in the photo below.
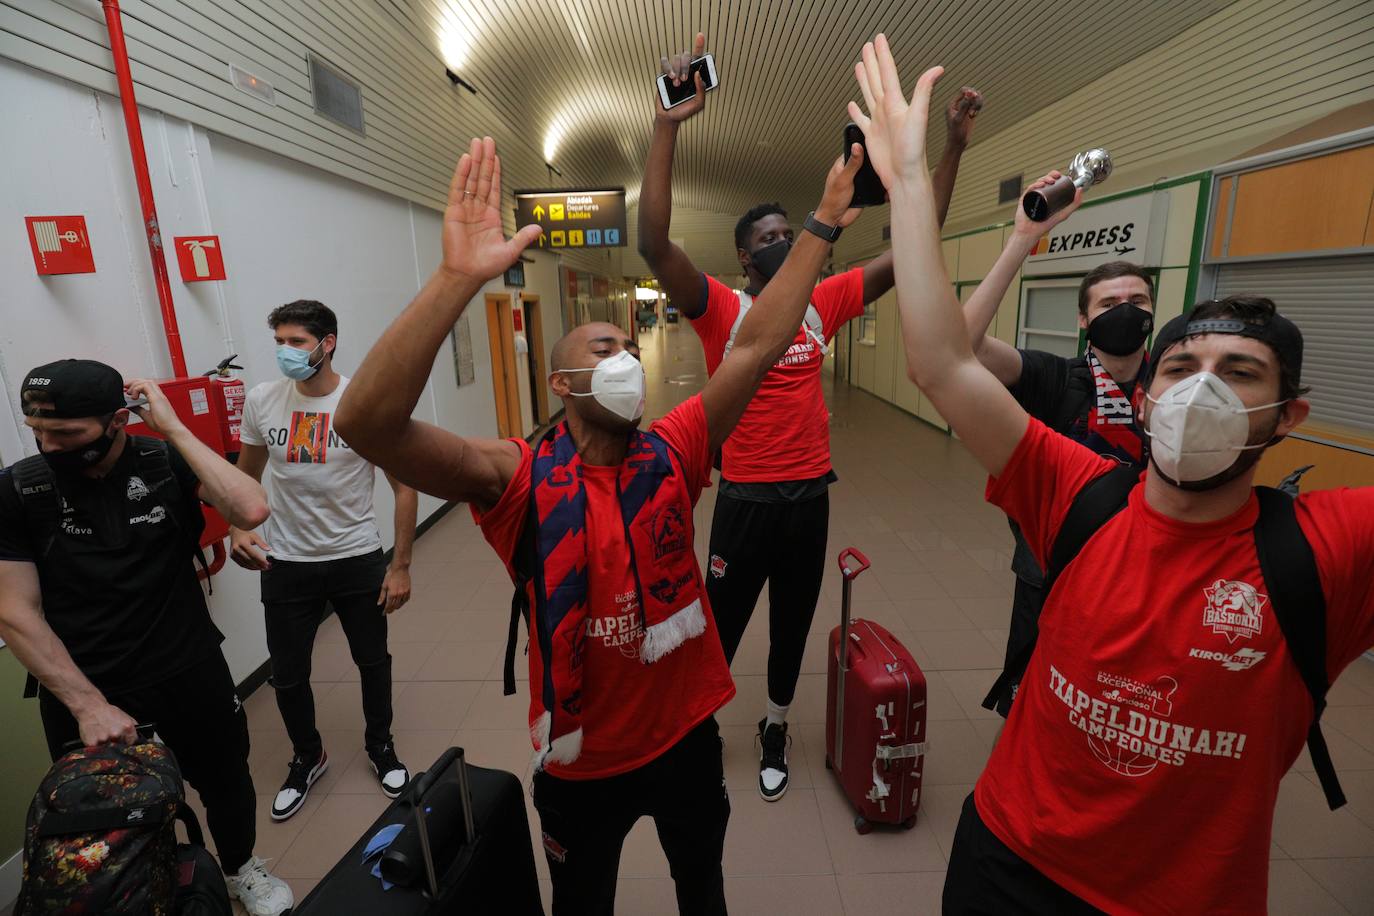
(1198, 427)
(617, 385)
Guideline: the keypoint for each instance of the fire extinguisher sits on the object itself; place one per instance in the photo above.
(229, 396)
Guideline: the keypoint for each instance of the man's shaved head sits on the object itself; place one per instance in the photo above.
(586, 345)
(582, 348)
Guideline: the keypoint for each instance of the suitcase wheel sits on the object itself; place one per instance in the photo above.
(828, 764)
(862, 826)
(909, 823)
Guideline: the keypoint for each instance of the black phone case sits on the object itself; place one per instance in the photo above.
(868, 187)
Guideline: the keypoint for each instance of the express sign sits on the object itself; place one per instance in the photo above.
(1114, 231)
(574, 218)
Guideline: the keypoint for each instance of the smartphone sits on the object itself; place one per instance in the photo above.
(868, 187)
(671, 95)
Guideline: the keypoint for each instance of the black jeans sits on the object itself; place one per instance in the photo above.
(784, 544)
(293, 599)
(585, 823)
(198, 715)
(985, 878)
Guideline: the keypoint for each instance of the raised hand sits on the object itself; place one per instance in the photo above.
(894, 131)
(834, 209)
(1028, 229)
(678, 69)
(474, 247)
(960, 114)
(157, 412)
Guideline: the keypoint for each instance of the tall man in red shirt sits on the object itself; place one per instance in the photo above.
(772, 515)
(1139, 767)
(595, 523)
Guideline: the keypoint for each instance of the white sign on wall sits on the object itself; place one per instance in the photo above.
(1115, 231)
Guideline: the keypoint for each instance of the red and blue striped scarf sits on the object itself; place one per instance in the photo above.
(656, 509)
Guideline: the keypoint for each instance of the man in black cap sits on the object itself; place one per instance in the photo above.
(99, 598)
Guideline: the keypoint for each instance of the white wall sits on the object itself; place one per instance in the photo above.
(288, 230)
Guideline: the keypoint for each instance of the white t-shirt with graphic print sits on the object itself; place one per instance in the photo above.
(319, 489)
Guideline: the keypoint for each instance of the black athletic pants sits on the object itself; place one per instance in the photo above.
(198, 716)
(293, 598)
(585, 823)
(985, 878)
(784, 544)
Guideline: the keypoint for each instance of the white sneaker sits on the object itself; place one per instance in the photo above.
(391, 773)
(260, 893)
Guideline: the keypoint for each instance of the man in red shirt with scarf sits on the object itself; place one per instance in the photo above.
(1140, 765)
(595, 527)
(1087, 398)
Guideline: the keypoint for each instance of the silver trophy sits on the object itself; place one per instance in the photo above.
(1087, 169)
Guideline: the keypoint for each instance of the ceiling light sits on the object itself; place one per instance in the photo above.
(455, 43)
(552, 139)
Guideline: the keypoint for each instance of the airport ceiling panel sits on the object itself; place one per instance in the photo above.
(579, 75)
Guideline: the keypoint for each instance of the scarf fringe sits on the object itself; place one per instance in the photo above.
(564, 749)
(662, 638)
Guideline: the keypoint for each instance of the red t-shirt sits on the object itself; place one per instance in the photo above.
(1141, 762)
(785, 431)
(631, 712)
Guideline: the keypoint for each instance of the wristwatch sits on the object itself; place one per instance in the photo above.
(820, 229)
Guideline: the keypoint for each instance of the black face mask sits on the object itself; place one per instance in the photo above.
(81, 458)
(768, 259)
(1121, 330)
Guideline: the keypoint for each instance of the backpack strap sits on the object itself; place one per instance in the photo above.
(76, 823)
(1295, 593)
(1093, 506)
(523, 562)
(1080, 392)
(36, 485)
(811, 324)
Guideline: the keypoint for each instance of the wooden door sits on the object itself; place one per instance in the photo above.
(539, 372)
(504, 381)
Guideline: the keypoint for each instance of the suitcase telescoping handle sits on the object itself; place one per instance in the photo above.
(420, 787)
(852, 563)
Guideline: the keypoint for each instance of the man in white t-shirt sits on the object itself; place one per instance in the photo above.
(321, 544)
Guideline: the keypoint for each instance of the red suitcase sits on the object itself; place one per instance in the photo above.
(875, 715)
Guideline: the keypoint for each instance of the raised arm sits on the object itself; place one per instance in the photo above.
(374, 413)
(960, 114)
(40, 651)
(1002, 359)
(771, 325)
(978, 407)
(238, 497)
(680, 278)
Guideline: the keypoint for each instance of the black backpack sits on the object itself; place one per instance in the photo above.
(1290, 575)
(36, 485)
(100, 836)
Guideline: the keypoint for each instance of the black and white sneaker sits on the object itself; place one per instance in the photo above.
(301, 776)
(773, 746)
(391, 773)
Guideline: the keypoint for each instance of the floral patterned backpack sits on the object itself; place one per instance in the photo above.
(101, 833)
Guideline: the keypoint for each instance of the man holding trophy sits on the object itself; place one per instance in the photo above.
(1087, 398)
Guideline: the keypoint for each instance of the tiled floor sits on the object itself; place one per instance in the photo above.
(910, 497)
